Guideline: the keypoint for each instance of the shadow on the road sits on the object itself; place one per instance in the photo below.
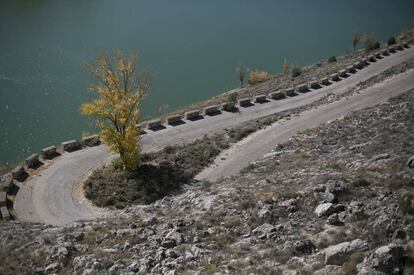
(247, 105)
(158, 128)
(196, 118)
(177, 123)
(216, 113)
(292, 94)
(263, 101)
(316, 86)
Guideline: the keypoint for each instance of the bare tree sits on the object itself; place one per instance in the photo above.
(355, 40)
(241, 71)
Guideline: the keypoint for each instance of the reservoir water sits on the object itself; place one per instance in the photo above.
(191, 47)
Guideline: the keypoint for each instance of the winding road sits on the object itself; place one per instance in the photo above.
(52, 195)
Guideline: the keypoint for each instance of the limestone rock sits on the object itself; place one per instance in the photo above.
(304, 246)
(87, 262)
(337, 254)
(265, 231)
(334, 220)
(337, 188)
(265, 212)
(388, 259)
(326, 209)
(290, 205)
(410, 162)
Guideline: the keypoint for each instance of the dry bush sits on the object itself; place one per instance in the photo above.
(258, 77)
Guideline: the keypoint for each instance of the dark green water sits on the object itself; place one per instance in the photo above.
(192, 47)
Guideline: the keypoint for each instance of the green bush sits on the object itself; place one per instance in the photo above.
(332, 59)
(391, 41)
(371, 44)
(230, 105)
(296, 71)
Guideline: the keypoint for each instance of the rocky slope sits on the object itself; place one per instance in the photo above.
(337, 199)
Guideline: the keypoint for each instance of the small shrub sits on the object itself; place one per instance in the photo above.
(117, 164)
(335, 166)
(406, 203)
(258, 77)
(238, 134)
(332, 59)
(232, 98)
(296, 71)
(230, 105)
(371, 44)
(361, 182)
(391, 41)
(285, 66)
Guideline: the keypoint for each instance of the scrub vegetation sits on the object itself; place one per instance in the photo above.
(371, 44)
(332, 59)
(296, 71)
(391, 41)
(158, 175)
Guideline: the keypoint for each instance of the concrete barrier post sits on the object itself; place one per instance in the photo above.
(5, 213)
(71, 145)
(350, 69)
(154, 124)
(32, 161)
(262, 98)
(13, 188)
(245, 102)
(19, 173)
(334, 77)
(302, 88)
(3, 198)
(290, 92)
(5, 181)
(91, 141)
(315, 85)
(325, 81)
(342, 73)
(358, 65)
(212, 110)
(277, 95)
(194, 114)
(173, 120)
(49, 152)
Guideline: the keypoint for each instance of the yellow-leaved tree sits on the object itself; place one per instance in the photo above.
(120, 89)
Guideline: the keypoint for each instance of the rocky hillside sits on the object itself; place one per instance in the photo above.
(337, 199)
